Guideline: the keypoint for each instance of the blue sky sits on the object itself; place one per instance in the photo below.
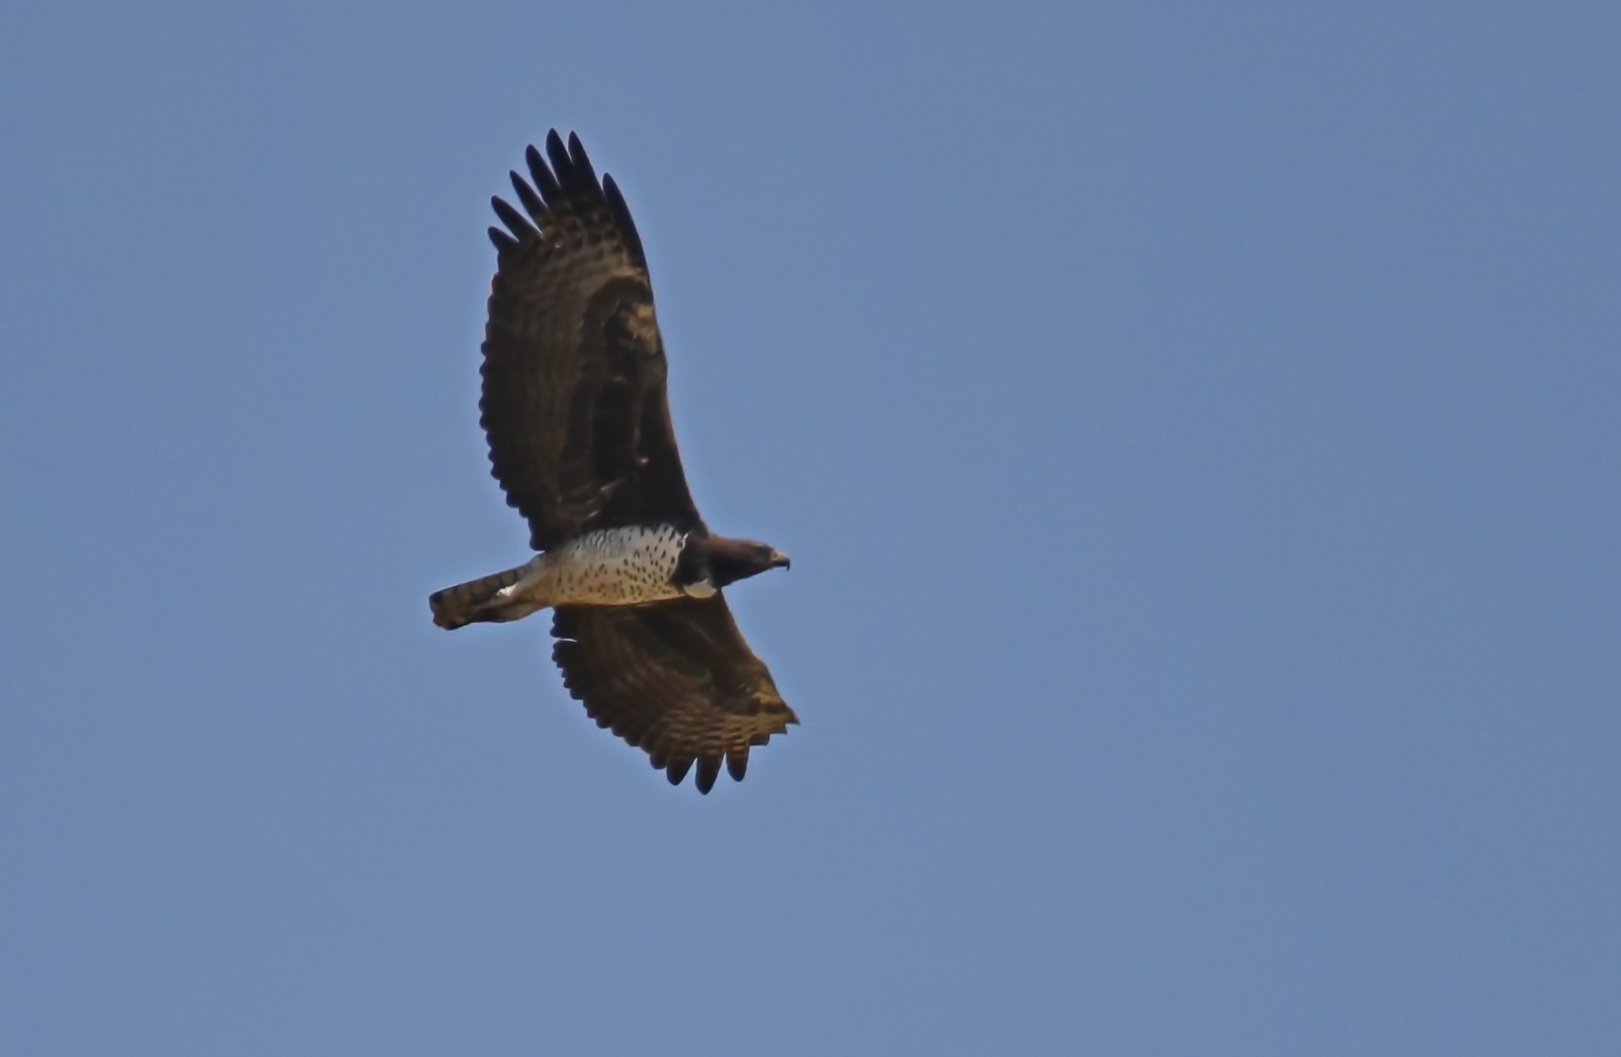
(1195, 429)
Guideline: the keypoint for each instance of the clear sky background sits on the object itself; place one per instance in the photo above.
(1197, 429)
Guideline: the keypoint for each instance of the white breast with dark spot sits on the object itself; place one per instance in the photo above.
(609, 567)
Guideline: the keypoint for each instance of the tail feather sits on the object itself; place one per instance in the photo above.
(480, 600)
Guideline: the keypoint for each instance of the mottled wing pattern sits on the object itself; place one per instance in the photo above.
(674, 679)
(574, 403)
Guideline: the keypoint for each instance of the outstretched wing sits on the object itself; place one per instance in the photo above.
(574, 402)
(674, 679)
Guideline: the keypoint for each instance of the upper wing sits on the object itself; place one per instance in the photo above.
(574, 402)
(675, 679)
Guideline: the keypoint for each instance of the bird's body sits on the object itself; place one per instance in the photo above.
(575, 410)
(610, 567)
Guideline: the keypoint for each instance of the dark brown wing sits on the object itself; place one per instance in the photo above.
(574, 402)
(674, 679)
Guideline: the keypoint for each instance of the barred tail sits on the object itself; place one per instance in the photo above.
(481, 600)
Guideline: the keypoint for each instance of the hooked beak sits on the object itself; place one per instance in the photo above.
(779, 559)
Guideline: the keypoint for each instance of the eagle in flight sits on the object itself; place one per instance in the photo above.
(575, 410)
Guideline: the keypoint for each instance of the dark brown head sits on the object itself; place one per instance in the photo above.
(724, 561)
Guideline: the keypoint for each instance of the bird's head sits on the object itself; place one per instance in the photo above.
(732, 560)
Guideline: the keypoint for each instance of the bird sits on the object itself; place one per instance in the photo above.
(575, 410)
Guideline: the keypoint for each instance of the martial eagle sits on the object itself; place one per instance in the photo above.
(578, 422)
